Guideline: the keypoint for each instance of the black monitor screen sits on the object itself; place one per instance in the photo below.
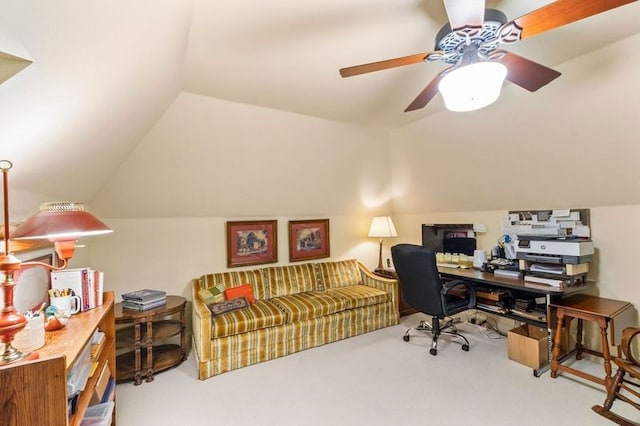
(449, 238)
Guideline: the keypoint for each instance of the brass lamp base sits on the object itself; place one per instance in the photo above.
(11, 323)
(11, 354)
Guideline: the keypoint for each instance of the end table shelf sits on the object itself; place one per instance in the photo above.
(162, 329)
(144, 340)
(163, 358)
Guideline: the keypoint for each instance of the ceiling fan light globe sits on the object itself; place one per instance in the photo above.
(472, 86)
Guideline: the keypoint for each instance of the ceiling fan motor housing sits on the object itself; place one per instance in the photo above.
(453, 43)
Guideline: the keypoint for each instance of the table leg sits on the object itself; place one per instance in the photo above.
(149, 372)
(579, 336)
(138, 374)
(557, 341)
(183, 339)
(608, 379)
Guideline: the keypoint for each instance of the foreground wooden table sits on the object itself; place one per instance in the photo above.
(143, 337)
(609, 314)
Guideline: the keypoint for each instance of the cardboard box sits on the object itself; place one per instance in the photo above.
(529, 345)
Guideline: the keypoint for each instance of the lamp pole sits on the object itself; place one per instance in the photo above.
(11, 322)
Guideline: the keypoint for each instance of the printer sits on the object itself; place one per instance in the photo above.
(556, 251)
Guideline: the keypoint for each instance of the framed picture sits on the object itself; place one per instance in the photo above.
(308, 239)
(252, 242)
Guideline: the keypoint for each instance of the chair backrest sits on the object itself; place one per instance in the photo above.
(418, 274)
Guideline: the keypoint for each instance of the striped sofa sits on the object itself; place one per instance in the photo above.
(297, 307)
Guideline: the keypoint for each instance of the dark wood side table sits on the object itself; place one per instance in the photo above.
(404, 307)
(611, 315)
(144, 340)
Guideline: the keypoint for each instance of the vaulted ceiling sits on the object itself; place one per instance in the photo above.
(104, 72)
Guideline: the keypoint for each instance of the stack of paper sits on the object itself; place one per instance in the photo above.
(548, 281)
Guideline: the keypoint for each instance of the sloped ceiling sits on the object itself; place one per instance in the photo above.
(286, 54)
(105, 72)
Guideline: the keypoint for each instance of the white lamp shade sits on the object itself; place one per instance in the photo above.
(472, 86)
(382, 227)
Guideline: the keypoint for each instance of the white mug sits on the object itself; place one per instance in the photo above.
(67, 304)
(31, 337)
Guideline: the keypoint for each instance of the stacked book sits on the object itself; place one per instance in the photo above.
(143, 300)
(86, 283)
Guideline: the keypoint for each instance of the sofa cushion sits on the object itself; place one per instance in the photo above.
(292, 279)
(358, 296)
(309, 305)
(224, 280)
(340, 274)
(261, 314)
(219, 308)
(211, 295)
(243, 290)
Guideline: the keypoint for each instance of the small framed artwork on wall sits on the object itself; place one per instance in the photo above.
(308, 239)
(252, 242)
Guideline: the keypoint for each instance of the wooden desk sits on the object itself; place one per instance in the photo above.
(610, 314)
(517, 286)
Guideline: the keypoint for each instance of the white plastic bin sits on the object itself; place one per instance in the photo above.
(98, 415)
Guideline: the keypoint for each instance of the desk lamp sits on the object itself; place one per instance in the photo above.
(382, 227)
(60, 223)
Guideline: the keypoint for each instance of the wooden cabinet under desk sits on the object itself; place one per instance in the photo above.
(35, 392)
(149, 342)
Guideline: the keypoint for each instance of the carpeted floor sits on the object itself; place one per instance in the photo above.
(373, 379)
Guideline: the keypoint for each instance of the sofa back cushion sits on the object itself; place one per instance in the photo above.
(292, 279)
(224, 280)
(339, 274)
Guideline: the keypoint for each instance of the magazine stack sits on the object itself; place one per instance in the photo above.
(143, 300)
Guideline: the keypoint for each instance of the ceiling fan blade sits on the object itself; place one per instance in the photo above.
(526, 73)
(383, 65)
(563, 12)
(426, 95)
(465, 13)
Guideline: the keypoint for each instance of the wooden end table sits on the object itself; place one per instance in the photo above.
(153, 331)
(403, 307)
(612, 315)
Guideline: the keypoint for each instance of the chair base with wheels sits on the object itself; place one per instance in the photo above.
(435, 330)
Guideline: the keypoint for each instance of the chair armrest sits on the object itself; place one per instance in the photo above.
(451, 287)
(389, 285)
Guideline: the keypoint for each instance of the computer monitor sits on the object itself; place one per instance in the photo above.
(449, 238)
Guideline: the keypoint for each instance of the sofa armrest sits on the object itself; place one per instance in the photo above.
(386, 284)
(200, 323)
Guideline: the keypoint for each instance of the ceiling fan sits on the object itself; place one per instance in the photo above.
(470, 42)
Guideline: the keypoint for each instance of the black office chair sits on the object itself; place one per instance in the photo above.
(426, 293)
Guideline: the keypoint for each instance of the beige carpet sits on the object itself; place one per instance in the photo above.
(373, 379)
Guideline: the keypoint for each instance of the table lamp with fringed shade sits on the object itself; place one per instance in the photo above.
(60, 223)
(382, 227)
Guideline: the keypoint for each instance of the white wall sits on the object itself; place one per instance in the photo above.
(567, 146)
(208, 161)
